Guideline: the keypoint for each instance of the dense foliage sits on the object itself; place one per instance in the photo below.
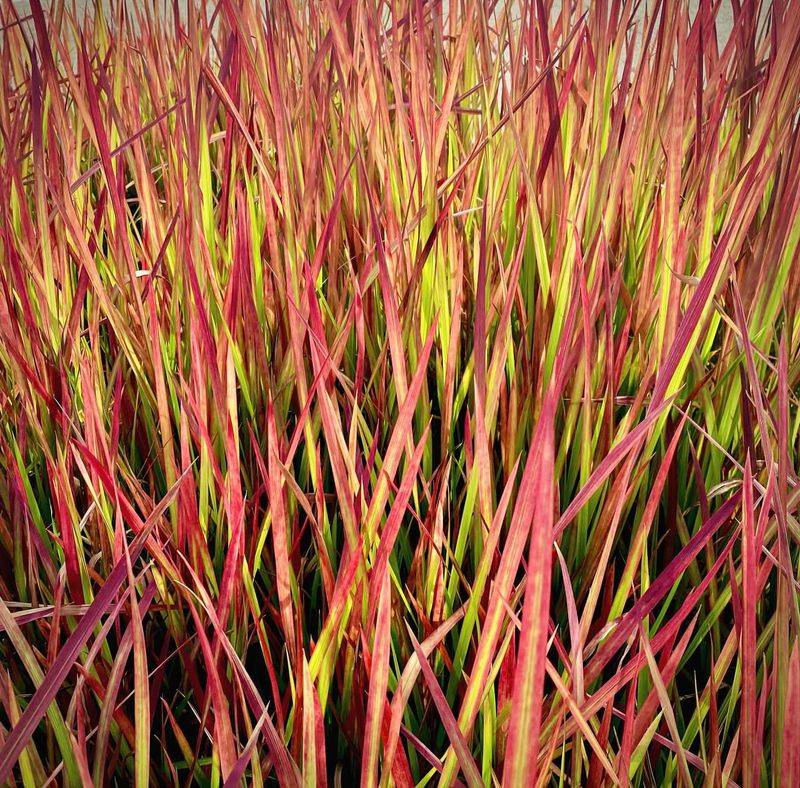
(402, 391)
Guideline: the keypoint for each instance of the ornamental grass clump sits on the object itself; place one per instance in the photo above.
(400, 391)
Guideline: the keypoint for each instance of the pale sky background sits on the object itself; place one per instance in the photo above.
(724, 18)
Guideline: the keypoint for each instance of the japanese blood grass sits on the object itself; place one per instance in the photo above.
(403, 392)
